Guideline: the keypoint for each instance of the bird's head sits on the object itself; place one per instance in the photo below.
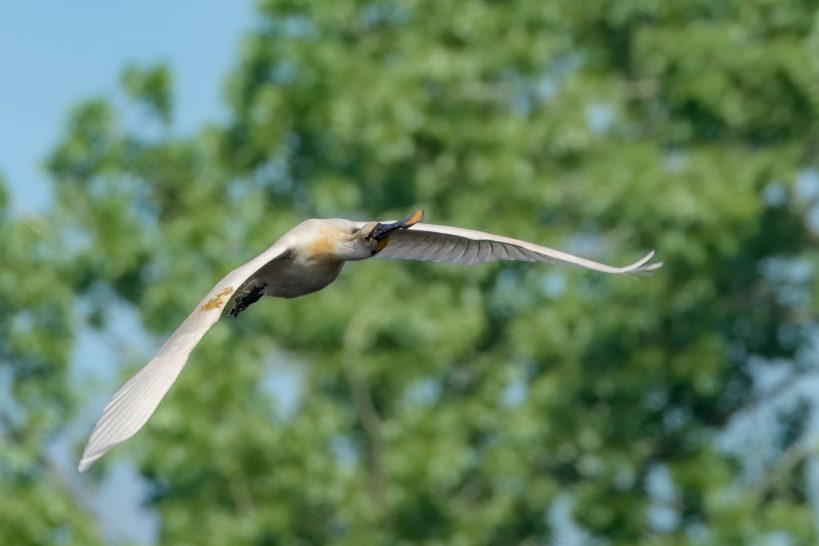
(377, 235)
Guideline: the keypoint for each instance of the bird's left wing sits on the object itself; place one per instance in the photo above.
(137, 399)
(433, 243)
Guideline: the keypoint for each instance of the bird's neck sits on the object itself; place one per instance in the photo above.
(332, 245)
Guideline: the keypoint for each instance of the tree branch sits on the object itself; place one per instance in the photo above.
(365, 409)
(785, 464)
(371, 422)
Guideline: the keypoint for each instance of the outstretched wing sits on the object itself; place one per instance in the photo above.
(137, 399)
(433, 243)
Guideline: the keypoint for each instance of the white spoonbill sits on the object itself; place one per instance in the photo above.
(305, 259)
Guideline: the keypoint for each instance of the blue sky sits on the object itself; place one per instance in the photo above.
(57, 53)
(54, 55)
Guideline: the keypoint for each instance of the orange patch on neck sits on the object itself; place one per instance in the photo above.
(324, 246)
(217, 301)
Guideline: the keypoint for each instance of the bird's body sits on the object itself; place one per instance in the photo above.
(286, 279)
(306, 259)
(304, 268)
(316, 250)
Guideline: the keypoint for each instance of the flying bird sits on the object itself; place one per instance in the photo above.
(305, 259)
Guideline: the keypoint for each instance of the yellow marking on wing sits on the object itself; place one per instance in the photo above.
(382, 244)
(217, 301)
(324, 245)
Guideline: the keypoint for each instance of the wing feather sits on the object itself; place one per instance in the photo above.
(452, 251)
(430, 242)
(428, 250)
(138, 398)
(500, 251)
(484, 251)
(470, 252)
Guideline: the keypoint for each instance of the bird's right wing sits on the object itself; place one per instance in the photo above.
(434, 243)
(137, 399)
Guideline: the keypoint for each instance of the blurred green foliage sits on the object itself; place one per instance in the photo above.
(152, 88)
(37, 505)
(438, 404)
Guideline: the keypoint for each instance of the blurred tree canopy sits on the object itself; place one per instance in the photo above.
(439, 404)
(37, 505)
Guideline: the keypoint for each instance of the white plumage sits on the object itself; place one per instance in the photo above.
(305, 259)
(431, 243)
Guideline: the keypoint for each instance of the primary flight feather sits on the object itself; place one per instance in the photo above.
(305, 259)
